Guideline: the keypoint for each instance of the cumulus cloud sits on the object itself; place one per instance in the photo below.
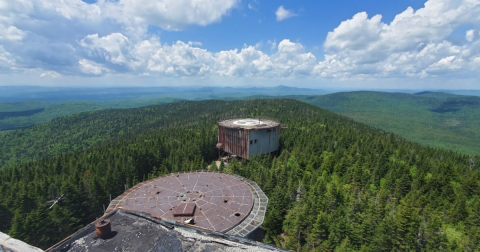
(56, 35)
(283, 13)
(291, 59)
(111, 48)
(186, 59)
(61, 38)
(470, 35)
(89, 67)
(179, 59)
(415, 43)
(170, 14)
(92, 50)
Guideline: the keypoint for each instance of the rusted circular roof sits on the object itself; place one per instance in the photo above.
(216, 201)
(249, 123)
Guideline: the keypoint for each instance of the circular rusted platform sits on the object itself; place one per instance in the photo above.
(216, 201)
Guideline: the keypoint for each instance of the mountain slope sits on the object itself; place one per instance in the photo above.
(77, 132)
(17, 115)
(359, 187)
(33, 105)
(435, 119)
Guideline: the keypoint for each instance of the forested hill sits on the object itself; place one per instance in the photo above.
(89, 129)
(440, 120)
(18, 115)
(436, 119)
(360, 189)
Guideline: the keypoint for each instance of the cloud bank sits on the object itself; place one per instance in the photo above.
(72, 38)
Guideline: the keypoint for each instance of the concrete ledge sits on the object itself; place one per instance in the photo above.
(7, 243)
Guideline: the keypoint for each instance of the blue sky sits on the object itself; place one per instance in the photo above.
(412, 44)
(310, 27)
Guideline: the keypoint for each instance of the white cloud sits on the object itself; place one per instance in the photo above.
(445, 64)
(247, 62)
(6, 61)
(283, 13)
(186, 59)
(112, 47)
(11, 33)
(169, 14)
(110, 38)
(356, 33)
(89, 67)
(55, 35)
(289, 61)
(179, 59)
(415, 43)
(50, 74)
(470, 35)
(292, 61)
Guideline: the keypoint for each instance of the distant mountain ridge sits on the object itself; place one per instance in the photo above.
(18, 115)
(438, 119)
(17, 94)
(50, 103)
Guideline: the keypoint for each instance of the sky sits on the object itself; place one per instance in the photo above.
(408, 44)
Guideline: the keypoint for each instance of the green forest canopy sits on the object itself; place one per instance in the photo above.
(17, 115)
(440, 120)
(361, 189)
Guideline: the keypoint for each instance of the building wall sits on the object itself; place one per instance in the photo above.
(263, 141)
(235, 141)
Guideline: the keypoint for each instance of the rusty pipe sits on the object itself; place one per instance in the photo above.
(103, 229)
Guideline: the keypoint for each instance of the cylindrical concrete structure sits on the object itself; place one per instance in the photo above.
(248, 136)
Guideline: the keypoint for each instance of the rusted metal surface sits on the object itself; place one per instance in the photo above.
(221, 201)
(234, 141)
(103, 229)
(185, 209)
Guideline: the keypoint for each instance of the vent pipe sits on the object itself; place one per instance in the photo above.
(103, 229)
